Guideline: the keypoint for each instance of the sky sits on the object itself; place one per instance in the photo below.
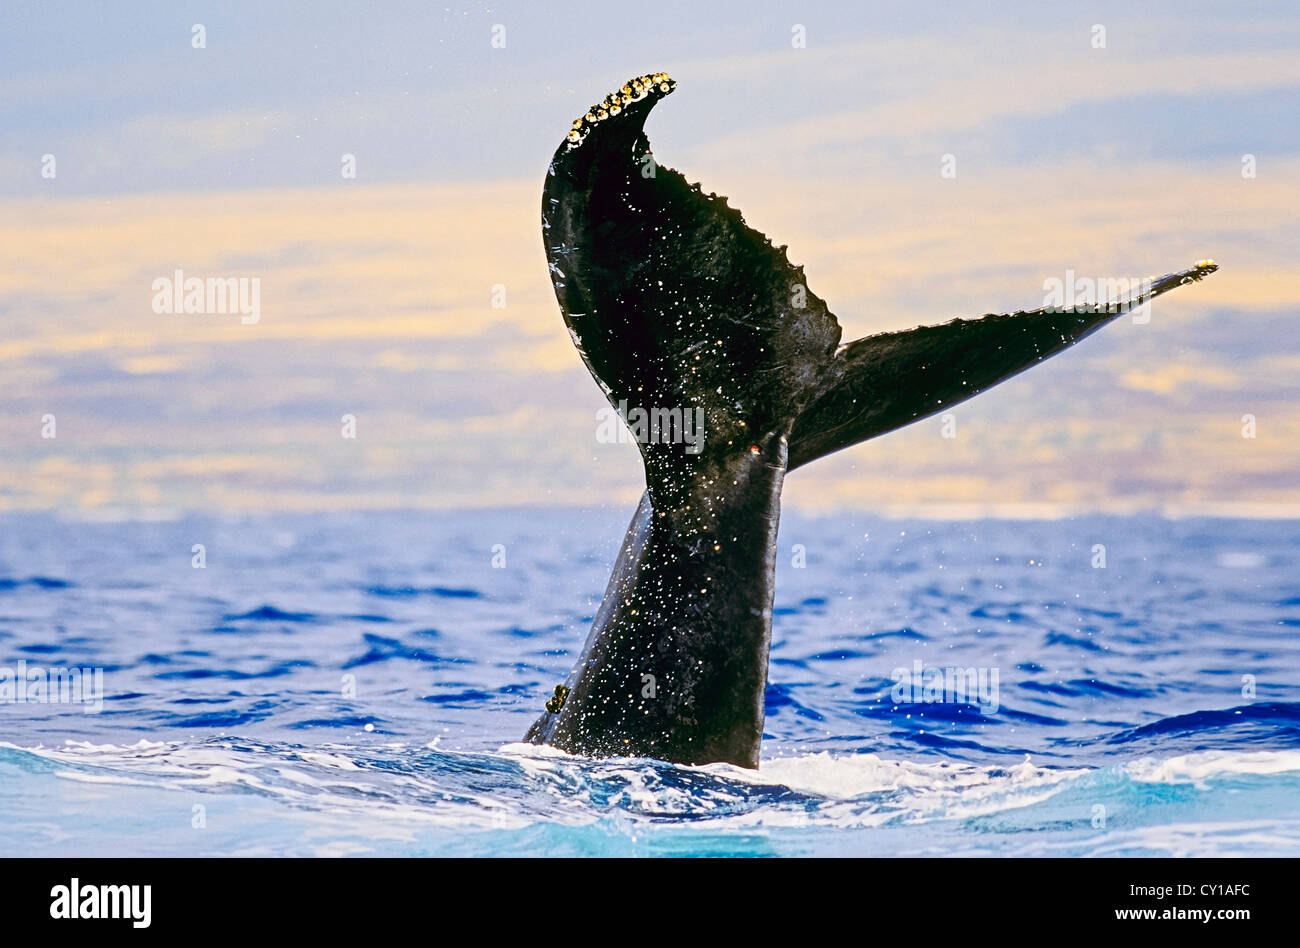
(1102, 139)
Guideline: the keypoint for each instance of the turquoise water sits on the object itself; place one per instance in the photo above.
(349, 684)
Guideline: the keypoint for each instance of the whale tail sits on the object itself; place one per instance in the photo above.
(676, 307)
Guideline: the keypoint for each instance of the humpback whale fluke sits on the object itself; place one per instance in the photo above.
(677, 306)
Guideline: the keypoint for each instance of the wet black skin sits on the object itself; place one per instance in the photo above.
(675, 303)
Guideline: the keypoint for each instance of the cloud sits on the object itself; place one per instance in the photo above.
(1165, 379)
(377, 294)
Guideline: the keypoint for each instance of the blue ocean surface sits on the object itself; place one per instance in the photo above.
(357, 683)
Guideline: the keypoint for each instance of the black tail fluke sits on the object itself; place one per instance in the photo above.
(673, 301)
(890, 380)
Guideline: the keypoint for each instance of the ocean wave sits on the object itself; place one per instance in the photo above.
(333, 790)
(290, 689)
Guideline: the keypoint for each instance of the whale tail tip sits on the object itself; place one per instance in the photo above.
(645, 89)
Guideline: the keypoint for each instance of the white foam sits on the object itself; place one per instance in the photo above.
(1200, 767)
(532, 785)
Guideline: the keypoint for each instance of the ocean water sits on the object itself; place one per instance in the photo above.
(357, 684)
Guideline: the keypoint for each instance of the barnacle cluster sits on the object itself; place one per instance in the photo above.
(555, 703)
(634, 90)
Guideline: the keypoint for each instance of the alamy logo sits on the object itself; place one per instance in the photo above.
(1100, 295)
(922, 685)
(214, 296)
(103, 901)
(651, 426)
(37, 685)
